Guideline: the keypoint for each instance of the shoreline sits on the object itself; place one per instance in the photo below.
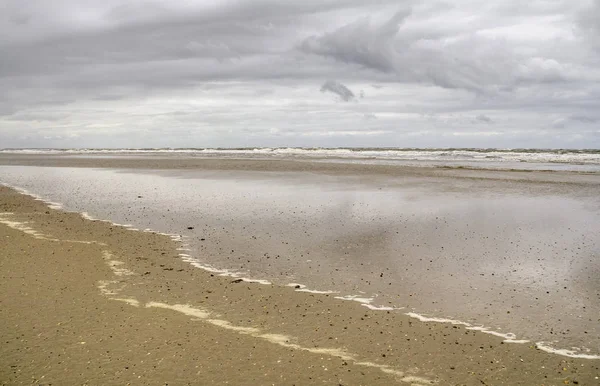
(362, 299)
(301, 164)
(579, 160)
(429, 333)
(165, 207)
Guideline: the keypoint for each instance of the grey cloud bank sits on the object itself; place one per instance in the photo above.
(282, 73)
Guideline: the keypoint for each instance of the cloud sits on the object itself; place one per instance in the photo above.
(86, 73)
(574, 120)
(589, 22)
(361, 42)
(400, 53)
(337, 88)
(584, 118)
(483, 118)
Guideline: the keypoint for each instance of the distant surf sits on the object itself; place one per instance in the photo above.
(581, 160)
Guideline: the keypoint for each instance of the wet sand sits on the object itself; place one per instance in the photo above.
(92, 303)
(514, 253)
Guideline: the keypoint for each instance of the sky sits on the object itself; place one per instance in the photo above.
(316, 73)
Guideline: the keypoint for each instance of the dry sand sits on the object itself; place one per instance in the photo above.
(87, 302)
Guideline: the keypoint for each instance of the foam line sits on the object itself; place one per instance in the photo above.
(356, 298)
(380, 308)
(508, 337)
(103, 285)
(564, 352)
(182, 308)
(285, 340)
(116, 265)
(221, 272)
(50, 204)
(436, 320)
(205, 316)
(23, 227)
(258, 281)
(87, 216)
(302, 288)
(130, 301)
(310, 291)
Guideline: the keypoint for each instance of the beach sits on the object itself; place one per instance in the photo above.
(296, 272)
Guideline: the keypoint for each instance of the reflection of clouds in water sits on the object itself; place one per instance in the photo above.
(461, 248)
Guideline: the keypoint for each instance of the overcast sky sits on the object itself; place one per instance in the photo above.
(206, 73)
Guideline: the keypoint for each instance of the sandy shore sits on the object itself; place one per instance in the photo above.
(156, 162)
(87, 302)
(514, 252)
